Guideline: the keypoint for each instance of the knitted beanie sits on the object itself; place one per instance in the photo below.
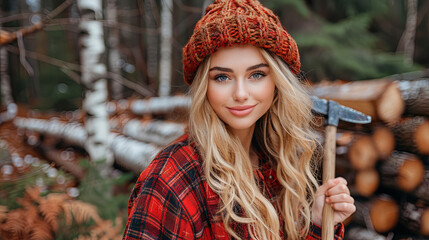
(238, 22)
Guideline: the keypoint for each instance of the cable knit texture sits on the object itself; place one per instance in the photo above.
(238, 22)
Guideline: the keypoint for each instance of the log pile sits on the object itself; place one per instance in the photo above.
(386, 162)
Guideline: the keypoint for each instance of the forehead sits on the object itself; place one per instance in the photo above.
(246, 55)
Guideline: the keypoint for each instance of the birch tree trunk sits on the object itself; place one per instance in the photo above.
(166, 48)
(92, 49)
(6, 91)
(114, 56)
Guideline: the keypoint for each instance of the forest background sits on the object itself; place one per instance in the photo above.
(143, 39)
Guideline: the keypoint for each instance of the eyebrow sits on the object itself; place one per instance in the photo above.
(223, 69)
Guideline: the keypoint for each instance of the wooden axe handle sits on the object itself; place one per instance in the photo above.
(328, 173)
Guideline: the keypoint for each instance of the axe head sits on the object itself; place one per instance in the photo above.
(333, 112)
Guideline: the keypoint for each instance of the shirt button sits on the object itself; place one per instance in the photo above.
(270, 177)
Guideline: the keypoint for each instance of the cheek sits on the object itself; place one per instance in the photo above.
(215, 96)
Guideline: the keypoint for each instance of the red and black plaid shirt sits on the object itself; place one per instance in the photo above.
(171, 199)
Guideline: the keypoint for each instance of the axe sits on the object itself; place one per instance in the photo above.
(332, 112)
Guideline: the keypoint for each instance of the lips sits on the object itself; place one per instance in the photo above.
(241, 110)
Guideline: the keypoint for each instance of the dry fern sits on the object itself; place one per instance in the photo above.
(81, 211)
(50, 208)
(32, 194)
(16, 225)
(3, 213)
(41, 231)
(105, 231)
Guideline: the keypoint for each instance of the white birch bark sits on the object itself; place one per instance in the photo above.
(157, 132)
(166, 48)
(160, 104)
(151, 40)
(114, 56)
(129, 153)
(6, 90)
(94, 103)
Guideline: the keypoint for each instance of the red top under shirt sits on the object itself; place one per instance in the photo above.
(172, 200)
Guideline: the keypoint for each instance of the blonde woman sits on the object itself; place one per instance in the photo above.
(244, 171)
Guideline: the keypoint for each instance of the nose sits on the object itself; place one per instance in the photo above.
(241, 92)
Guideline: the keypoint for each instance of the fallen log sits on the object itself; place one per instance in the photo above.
(380, 214)
(384, 141)
(155, 131)
(416, 96)
(131, 154)
(359, 149)
(402, 170)
(422, 191)
(360, 233)
(412, 135)
(415, 218)
(157, 105)
(55, 156)
(379, 98)
(365, 182)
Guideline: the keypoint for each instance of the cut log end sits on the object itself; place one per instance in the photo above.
(390, 105)
(362, 154)
(424, 230)
(422, 138)
(384, 214)
(411, 174)
(384, 141)
(367, 182)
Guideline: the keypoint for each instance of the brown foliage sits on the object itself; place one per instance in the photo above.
(38, 219)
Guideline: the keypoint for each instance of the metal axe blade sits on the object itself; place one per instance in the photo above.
(335, 112)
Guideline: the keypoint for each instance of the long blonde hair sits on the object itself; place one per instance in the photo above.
(283, 134)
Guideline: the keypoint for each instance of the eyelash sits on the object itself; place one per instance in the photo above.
(261, 75)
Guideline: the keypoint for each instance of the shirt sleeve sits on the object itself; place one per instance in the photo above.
(316, 232)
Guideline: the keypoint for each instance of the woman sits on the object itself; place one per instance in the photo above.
(244, 171)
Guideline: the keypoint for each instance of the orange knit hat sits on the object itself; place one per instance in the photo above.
(238, 22)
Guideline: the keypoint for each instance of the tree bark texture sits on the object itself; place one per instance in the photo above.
(158, 132)
(410, 30)
(6, 90)
(166, 48)
(159, 105)
(402, 170)
(378, 98)
(416, 96)
(415, 218)
(422, 191)
(92, 48)
(412, 135)
(114, 56)
(359, 233)
(152, 44)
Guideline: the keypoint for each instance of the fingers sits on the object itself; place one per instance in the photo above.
(338, 196)
(336, 186)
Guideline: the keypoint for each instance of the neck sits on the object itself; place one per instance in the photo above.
(245, 137)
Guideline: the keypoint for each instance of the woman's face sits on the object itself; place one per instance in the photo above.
(241, 87)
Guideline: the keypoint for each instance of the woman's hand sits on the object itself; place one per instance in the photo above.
(336, 193)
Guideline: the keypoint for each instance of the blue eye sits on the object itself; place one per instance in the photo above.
(258, 75)
(221, 78)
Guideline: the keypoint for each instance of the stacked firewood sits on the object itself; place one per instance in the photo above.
(386, 162)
